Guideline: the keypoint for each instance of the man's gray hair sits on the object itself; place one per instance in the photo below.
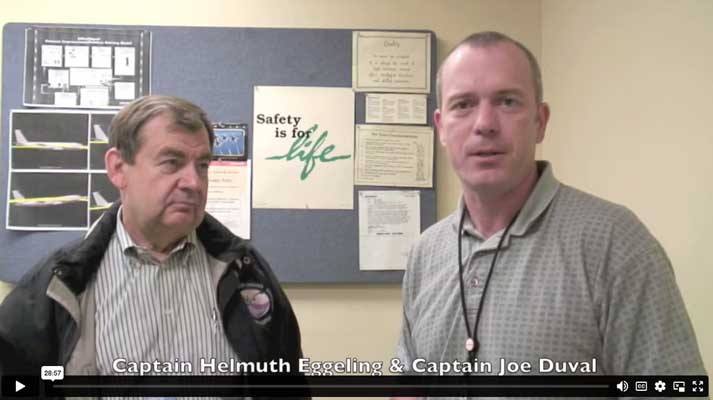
(490, 38)
(127, 124)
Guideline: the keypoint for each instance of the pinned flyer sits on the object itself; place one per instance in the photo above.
(391, 62)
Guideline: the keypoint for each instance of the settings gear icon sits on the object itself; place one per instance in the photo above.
(660, 386)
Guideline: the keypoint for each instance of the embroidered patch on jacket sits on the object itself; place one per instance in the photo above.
(258, 301)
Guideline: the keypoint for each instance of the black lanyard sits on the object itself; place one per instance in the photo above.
(471, 344)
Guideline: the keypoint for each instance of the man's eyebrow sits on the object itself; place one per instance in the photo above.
(169, 151)
(459, 96)
(513, 91)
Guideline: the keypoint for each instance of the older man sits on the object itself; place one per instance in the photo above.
(527, 268)
(156, 278)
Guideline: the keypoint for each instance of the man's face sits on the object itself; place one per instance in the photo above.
(489, 120)
(165, 190)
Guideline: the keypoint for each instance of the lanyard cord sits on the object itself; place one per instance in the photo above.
(472, 344)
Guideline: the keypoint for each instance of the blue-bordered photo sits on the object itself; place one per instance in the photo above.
(230, 143)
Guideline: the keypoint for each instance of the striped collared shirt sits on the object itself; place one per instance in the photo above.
(149, 311)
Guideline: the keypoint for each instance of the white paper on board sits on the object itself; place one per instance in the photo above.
(394, 155)
(65, 99)
(124, 61)
(58, 78)
(51, 55)
(389, 224)
(90, 76)
(303, 144)
(391, 108)
(124, 90)
(76, 56)
(94, 97)
(101, 57)
(229, 195)
(391, 61)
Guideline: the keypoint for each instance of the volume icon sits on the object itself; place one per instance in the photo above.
(622, 386)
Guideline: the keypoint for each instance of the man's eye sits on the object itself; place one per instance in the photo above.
(169, 164)
(462, 105)
(509, 102)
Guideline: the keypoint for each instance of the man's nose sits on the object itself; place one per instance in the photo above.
(486, 120)
(191, 178)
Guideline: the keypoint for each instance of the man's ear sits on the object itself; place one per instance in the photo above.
(437, 119)
(115, 167)
(543, 116)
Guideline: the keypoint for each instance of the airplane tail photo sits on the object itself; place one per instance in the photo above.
(16, 194)
(20, 138)
(99, 199)
(99, 133)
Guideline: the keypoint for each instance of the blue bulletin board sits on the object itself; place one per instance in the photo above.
(217, 68)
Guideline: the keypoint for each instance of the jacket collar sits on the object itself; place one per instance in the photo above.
(78, 264)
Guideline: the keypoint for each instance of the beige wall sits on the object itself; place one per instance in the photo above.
(632, 119)
(628, 115)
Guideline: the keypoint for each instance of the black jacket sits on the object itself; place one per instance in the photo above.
(35, 330)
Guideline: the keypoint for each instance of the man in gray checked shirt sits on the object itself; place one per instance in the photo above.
(527, 269)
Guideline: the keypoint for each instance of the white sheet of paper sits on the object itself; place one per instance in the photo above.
(76, 56)
(389, 223)
(51, 55)
(391, 61)
(124, 90)
(396, 108)
(101, 57)
(94, 97)
(58, 78)
(303, 147)
(65, 99)
(89, 76)
(394, 155)
(124, 60)
(229, 195)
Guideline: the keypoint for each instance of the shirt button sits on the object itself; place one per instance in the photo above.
(475, 282)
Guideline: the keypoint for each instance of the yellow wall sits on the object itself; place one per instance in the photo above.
(630, 89)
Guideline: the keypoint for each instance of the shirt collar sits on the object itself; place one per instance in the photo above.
(131, 249)
(538, 201)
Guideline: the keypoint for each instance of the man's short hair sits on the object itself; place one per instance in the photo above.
(126, 125)
(490, 38)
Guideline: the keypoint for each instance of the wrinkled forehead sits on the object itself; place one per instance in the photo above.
(169, 122)
(166, 127)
